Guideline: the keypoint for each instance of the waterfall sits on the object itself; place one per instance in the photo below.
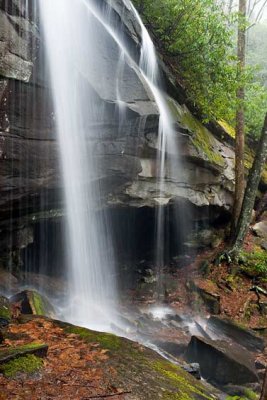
(149, 66)
(71, 46)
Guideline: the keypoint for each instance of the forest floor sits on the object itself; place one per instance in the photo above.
(241, 294)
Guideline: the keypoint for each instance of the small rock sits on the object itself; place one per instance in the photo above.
(32, 302)
(260, 229)
(264, 245)
(4, 322)
(260, 364)
(193, 369)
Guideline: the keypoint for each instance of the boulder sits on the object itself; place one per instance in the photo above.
(227, 329)
(32, 302)
(260, 229)
(221, 362)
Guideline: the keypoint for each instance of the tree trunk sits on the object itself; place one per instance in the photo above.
(251, 190)
(240, 120)
(264, 388)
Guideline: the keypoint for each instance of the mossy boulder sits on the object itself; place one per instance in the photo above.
(28, 364)
(5, 311)
(12, 353)
(141, 371)
(32, 302)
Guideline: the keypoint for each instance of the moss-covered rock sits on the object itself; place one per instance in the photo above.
(203, 144)
(11, 353)
(32, 302)
(27, 364)
(5, 311)
(142, 371)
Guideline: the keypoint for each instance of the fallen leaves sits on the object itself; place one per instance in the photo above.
(73, 369)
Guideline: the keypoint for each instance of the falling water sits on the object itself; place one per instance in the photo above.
(149, 66)
(71, 47)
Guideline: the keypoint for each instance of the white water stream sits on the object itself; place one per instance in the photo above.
(72, 46)
(69, 33)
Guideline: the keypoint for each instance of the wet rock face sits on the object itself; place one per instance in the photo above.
(230, 330)
(221, 363)
(29, 159)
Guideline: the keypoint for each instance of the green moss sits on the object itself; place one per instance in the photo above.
(248, 394)
(16, 351)
(39, 304)
(227, 128)
(106, 340)
(186, 389)
(27, 364)
(202, 139)
(255, 263)
(4, 308)
(5, 313)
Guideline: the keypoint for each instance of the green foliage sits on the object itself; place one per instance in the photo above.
(27, 364)
(197, 37)
(198, 40)
(256, 106)
(255, 263)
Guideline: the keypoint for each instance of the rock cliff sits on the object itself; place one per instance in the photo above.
(29, 164)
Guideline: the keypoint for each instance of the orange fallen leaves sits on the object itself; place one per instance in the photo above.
(72, 369)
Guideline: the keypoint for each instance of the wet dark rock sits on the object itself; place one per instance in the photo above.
(206, 238)
(29, 150)
(226, 328)
(32, 302)
(221, 362)
(172, 348)
(193, 369)
(260, 364)
(4, 322)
